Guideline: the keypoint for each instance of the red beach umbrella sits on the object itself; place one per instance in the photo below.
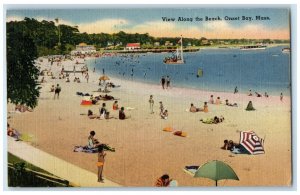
(251, 142)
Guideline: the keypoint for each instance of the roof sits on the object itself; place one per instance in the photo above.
(133, 45)
(82, 44)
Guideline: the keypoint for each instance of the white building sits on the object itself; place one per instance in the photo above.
(83, 48)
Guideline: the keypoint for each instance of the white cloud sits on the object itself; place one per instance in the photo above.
(105, 25)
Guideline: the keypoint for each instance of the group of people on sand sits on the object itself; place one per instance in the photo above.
(163, 112)
(104, 114)
(56, 91)
(195, 109)
(257, 94)
(165, 82)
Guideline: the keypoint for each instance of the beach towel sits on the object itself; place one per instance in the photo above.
(239, 150)
(86, 103)
(208, 121)
(180, 133)
(168, 129)
(92, 150)
(129, 108)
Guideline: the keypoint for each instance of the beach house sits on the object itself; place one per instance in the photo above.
(83, 48)
(133, 46)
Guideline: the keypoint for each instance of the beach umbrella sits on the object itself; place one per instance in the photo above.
(251, 142)
(104, 78)
(214, 170)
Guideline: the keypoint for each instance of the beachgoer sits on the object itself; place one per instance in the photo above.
(163, 81)
(87, 77)
(103, 111)
(74, 69)
(115, 105)
(12, 132)
(52, 88)
(211, 100)
(266, 95)
(163, 181)
(257, 94)
(122, 115)
(151, 102)
(281, 97)
(100, 163)
(205, 107)
(193, 108)
(168, 81)
(218, 101)
(103, 71)
(67, 80)
(94, 70)
(228, 104)
(57, 91)
(164, 115)
(235, 90)
(161, 107)
(92, 142)
(250, 106)
(250, 93)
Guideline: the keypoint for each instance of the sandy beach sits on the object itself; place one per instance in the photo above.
(143, 151)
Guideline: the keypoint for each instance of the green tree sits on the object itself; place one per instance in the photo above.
(22, 75)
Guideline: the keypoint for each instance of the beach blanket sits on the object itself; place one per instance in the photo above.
(92, 150)
(239, 150)
(208, 121)
(86, 103)
(168, 129)
(180, 133)
(129, 108)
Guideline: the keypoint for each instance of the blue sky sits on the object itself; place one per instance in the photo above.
(149, 20)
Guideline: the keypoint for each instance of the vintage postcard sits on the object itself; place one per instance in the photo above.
(149, 97)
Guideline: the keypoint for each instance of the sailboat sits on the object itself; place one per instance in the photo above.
(178, 59)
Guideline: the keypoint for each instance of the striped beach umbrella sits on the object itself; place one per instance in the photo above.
(251, 142)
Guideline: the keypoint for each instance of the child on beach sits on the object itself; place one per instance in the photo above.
(122, 115)
(103, 111)
(100, 163)
(250, 93)
(164, 114)
(205, 107)
(229, 104)
(281, 97)
(163, 181)
(161, 107)
(218, 101)
(211, 100)
(151, 102)
(52, 88)
(115, 105)
(57, 91)
(193, 108)
(235, 90)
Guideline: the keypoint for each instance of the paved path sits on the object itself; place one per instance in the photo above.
(60, 168)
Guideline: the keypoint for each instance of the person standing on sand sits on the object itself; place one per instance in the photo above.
(151, 102)
(235, 90)
(161, 107)
(74, 70)
(163, 81)
(168, 82)
(100, 163)
(87, 77)
(57, 91)
(281, 97)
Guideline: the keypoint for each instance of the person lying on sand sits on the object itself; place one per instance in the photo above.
(106, 97)
(257, 94)
(214, 120)
(229, 145)
(229, 104)
(22, 108)
(12, 132)
(193, 108)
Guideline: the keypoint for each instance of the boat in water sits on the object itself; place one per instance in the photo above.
(176, 59)
(286, 50)
(253, 47)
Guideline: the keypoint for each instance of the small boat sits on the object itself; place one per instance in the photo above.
(253, 47)
(178, 59)
(286, 50)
